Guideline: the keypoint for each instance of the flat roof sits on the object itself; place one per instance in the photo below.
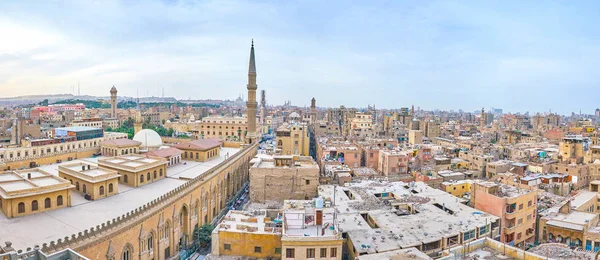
(16, 184)
(30, 230)
(132, 163)
(431, 223)
(582, 197)
(248, 222)
(87, 171)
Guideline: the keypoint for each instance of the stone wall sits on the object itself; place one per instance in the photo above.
(168, 219)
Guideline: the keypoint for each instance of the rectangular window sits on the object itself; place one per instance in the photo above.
(469, 235)
(290, 253)
(310, 253)
(323, 253)
(520, 221)
(257, 249)
(482, 230)
(520, 206)
(307, 182)
(333, 252)
(227, 247)
(529, 203)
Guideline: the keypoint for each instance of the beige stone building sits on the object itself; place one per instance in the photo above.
(171, 154)
(136, 170)
(292, 139)
(223, 128)
(200, 150)
(282, 177)
(31, 191)
(119, 147)
(415, 137)
(51, 152)
(392, 162)
(90, 180)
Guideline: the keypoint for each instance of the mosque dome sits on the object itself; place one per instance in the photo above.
(149, 138)
(294, 115)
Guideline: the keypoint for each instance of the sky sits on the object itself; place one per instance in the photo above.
(516, 55)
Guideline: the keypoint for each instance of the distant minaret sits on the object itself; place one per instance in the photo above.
(251, 103)
(113, 102)
(482, 122)
(313, 111)
(263, 104)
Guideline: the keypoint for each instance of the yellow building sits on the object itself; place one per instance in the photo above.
(242, 233)
(292, 139)
(224, 128)
(90, 180)
(117, 147)
(200, 150)
(31, 191)
(457, 188)
(136, 170)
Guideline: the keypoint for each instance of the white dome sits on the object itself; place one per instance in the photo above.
(148, 138)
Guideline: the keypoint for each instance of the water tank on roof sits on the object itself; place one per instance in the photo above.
(319, 202)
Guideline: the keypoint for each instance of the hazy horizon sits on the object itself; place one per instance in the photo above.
(448, 55)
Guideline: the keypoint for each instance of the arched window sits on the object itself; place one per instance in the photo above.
(154, 174)
(21, 207)
(279, 143)
(59, 200)
(47, 203)
(110, 188)
(161, 173)
(34, 205)
(141, 178)
(125, 178)
(150, 242)
(101, 190)
(77, 185)
(127, 253)
(84, 188)
(147, 176)
(197, 156)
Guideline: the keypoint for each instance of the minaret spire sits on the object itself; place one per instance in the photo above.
(251, 104)
(252, 65)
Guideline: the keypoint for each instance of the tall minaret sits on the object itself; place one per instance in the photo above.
(113, 102)
(251, 104)
(313, 111)
(482, 122)
(263, 104)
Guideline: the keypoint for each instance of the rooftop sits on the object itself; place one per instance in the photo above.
(259, 222)
(84, 214)
(131, 162)
(87, 171)
(436, 214)
(15, 184)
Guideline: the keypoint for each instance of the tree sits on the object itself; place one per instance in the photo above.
(44, 102)
(203, 235)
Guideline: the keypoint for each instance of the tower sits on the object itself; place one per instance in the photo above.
(251, 103)
(113, 102)
(482, 122)
(313, 111)
(263, 103)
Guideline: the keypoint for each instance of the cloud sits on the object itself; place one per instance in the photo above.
(436, 54)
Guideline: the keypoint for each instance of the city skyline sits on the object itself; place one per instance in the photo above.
(439, 55)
